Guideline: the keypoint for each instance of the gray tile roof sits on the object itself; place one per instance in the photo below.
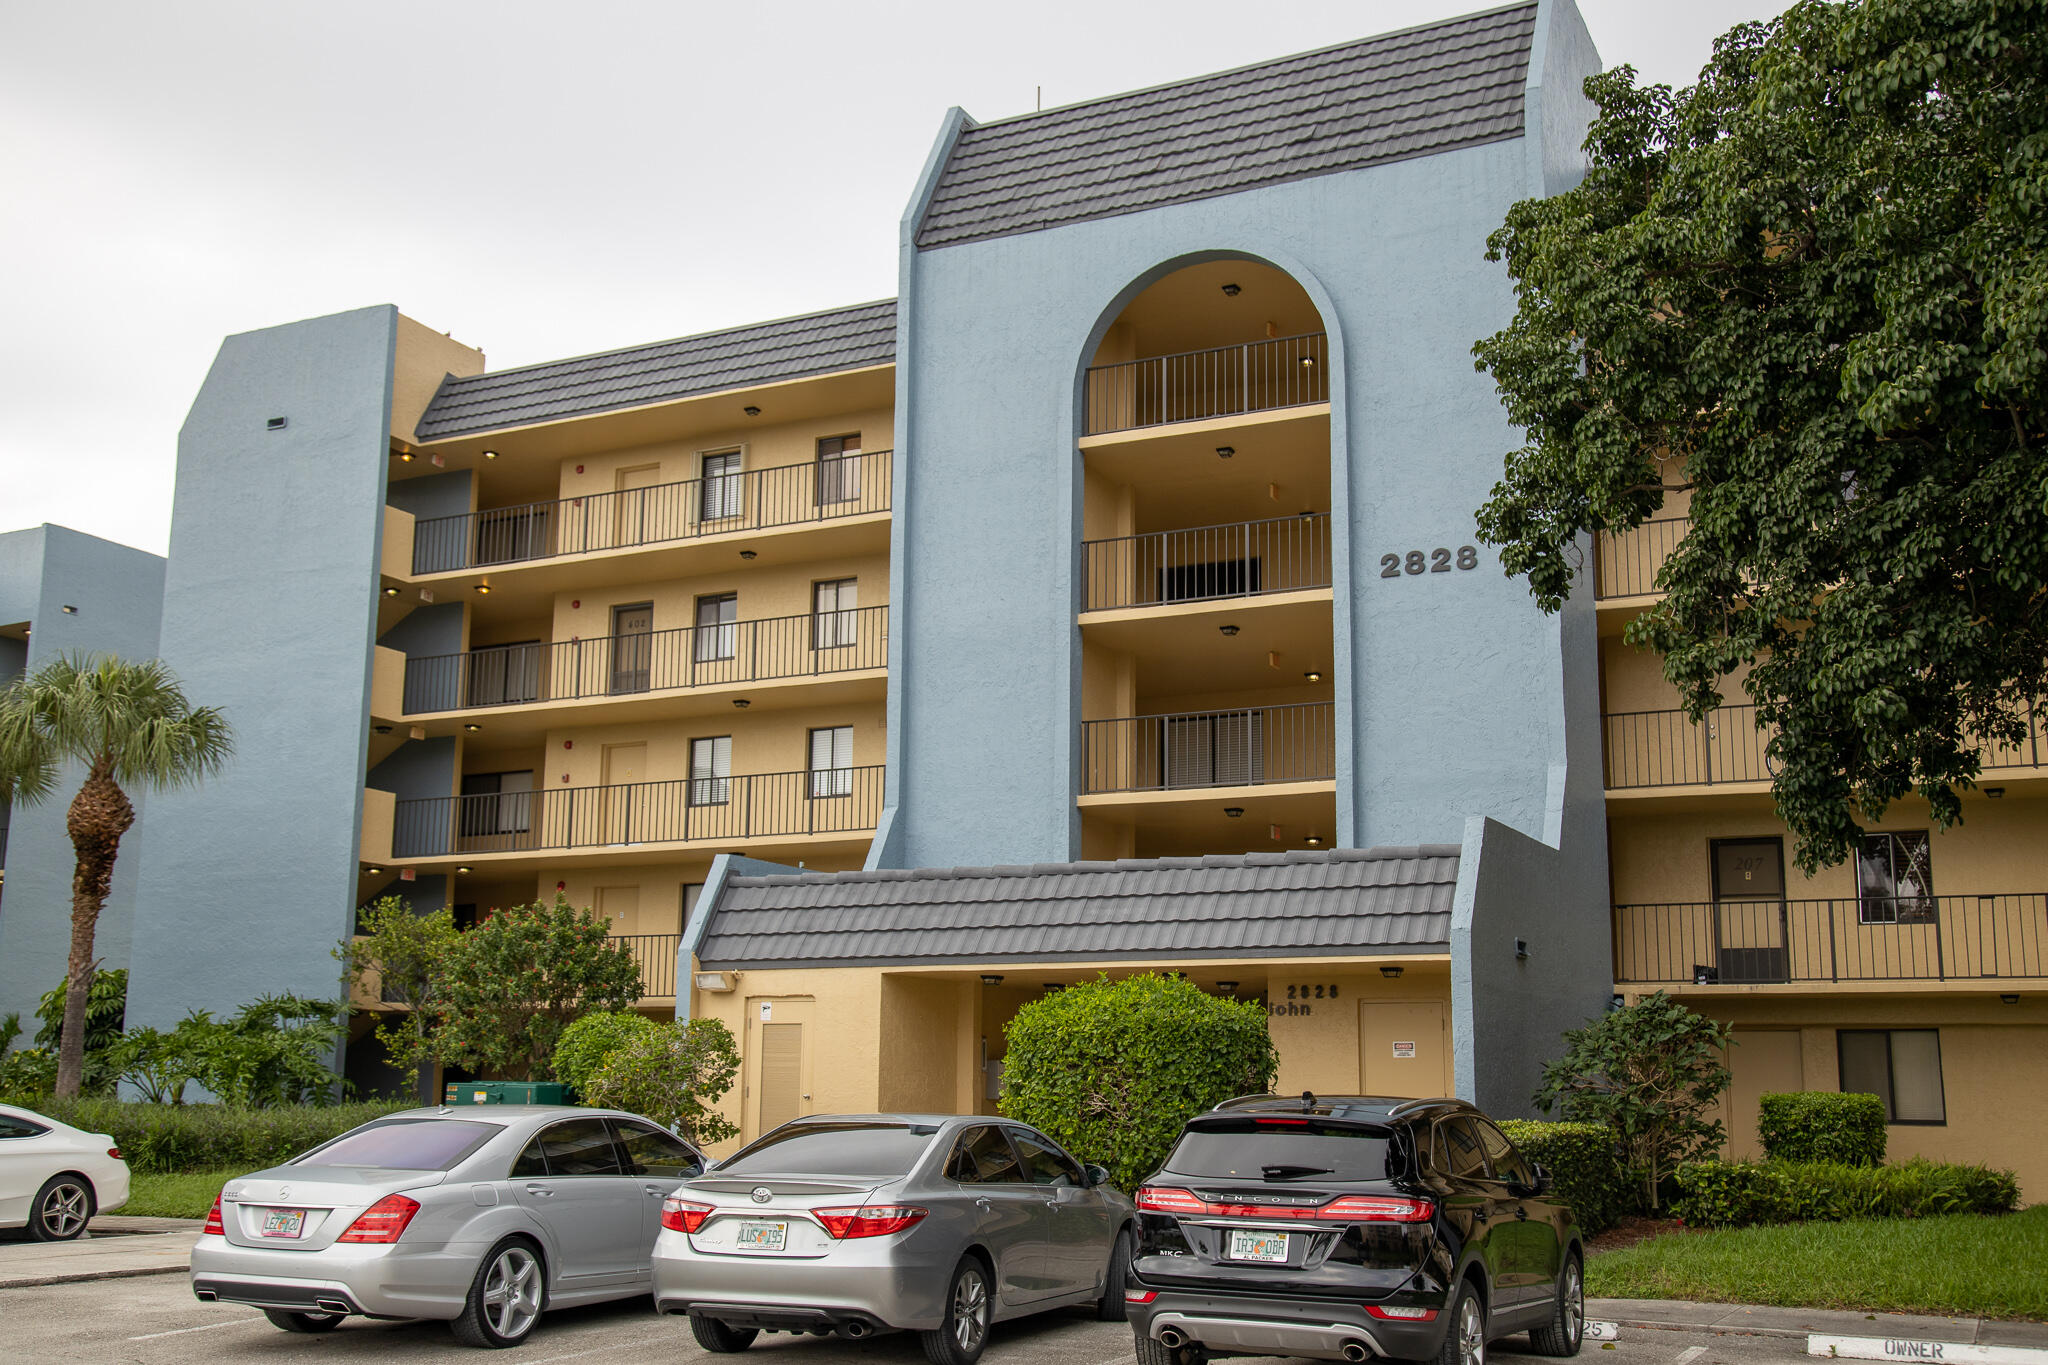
(1328, 903)
(762, 353)
(1430, 89)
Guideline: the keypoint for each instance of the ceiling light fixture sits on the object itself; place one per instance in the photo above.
(1233, 811)
(490, 454)
(1227, 630)
(1231, 291)
(1994, 792)
(751, 411)
(1313, 675)
(472, 728)
(373, 871)
(1392, 973)
(748, 554)
(1312, 840)
(483, 589)
(405, 456)
(1225, 452)
(1308, 362)
(1226, 985)
(391, 592)
(2008, 1000)
(991, 978)
(463, 870)
(382, 729)
(741, 703)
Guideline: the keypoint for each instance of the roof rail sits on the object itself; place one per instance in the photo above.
(1407, 1106)
(1242, 1100)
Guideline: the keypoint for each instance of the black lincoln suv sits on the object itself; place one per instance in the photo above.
(1351, 1228)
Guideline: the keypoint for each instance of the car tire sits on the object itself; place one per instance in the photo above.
(720, 1337)
(1464, 1329)
(1152, 1352)
(970, 1311)
(506, 1298)
(302, 1322)
(1112, 1307)
(62, 1208)
(1567, 1326)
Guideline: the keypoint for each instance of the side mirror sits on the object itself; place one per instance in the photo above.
(1543, 1181)
(1097, 1175)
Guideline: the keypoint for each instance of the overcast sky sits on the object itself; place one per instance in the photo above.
(539, 179)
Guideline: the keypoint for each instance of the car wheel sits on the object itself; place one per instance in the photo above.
(62, 1209)
(1112, 1308)
(721, 1337)
(1152, 1352)
(961, 1339)
(505, 1298)
(302, 1322)
(1567, 1326)
(1465, 1333)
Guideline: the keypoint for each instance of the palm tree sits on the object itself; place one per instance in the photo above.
(128, 723)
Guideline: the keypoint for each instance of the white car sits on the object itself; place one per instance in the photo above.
(53, 1177)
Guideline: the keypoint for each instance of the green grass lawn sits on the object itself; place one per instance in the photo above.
(1975, 1264)
(189, 1194)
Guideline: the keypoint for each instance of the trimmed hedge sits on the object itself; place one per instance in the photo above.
(202, 1137)
(1585, 1165)
(1749, 1193)
(1822, 1125)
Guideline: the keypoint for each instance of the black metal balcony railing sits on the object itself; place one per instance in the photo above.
(827, 801)
(1244, 559)
(1667, 749)
(656, 954)
(1922, 938)
(1250, 747)
(786, 495)
(1195, 385)
(816, 645)
(1626, 564)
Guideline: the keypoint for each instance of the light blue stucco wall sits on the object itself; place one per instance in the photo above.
(118, 595)
(269, 612)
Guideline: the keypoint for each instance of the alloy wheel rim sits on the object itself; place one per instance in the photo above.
(512, 1292)
(63, 1212)
(970, 1304)
(1471, 1334)
(1574, 1304)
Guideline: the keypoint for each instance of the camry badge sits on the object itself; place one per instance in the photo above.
(762, 1194)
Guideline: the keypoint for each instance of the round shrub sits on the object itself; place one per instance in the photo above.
(584, 1045)
(1822, 1125)
(1111, 1069)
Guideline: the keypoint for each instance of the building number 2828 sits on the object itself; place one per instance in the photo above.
(1438, 560)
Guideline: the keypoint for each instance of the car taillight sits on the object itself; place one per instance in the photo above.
(869, 1220)
(383, 1221)
(680, 1215)
(114, 1152)
(214, 1227)
(1140, 1295)
(1376, 1208)
(1166, 1199)
(1386, 1314)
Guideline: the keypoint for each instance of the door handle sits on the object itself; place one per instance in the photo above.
(983, 1201)
(656, 1190)
(541, 1190)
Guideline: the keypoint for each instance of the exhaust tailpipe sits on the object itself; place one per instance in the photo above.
(1356, 1351)
(205, 1296)
(854, 1331)
(332, 1306)
(1171, 1339)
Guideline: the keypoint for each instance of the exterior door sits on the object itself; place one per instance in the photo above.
(634, 507)
(1404, 1049)
(1765, 1061)
(1749, 912)
(779, 1088)
(576, 1188)
(632, 647)
(624, 799)
(619, 908)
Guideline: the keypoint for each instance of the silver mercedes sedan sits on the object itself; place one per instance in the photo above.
(856, 1224)
(482, 1216)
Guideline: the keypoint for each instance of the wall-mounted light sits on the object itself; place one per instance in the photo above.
(751, 411)
(715, 981)
(391, 592)
(1231, 291)
(381, 729)
(749, 554)
(1312, 676)
(1225, 452)
(1226, 985)
(1312, 840)
(1994, 792)
(1521, 948)
(472, 728)
(740, 703)
(277, 424)
(69, 611)
(991, 978)
(1227, 630)
(1234, 812)
(1392, 973)
(490, 454)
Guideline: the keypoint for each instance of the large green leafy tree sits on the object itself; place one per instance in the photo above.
(130, 726)
(403, 955)
(1812, 291)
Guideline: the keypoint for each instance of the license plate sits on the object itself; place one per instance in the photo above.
(283, 1222)
(1257, 1246)
(762, 1236)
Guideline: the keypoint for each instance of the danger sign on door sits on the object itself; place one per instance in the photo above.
(1404, 1052)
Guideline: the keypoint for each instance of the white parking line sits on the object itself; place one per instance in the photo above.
(208, 1327)
(1687, 1357)
(608, 1346)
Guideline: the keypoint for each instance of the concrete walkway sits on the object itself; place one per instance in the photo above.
(1755, 1320)
(113, 1248)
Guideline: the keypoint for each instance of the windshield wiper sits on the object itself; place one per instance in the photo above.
(1285, 1172)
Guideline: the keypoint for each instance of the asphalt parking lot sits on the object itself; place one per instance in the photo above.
(154, 1318)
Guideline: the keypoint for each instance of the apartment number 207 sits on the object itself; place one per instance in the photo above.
(1438, 560)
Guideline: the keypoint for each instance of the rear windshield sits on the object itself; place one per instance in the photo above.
(1285, 1153)
(403, 1145)
(865, 1149)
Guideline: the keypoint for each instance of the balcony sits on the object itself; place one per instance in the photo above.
(1196, 386)
(695, 509)
(1957, 939)
(834, 803)
(1661, 749)
(1207, 563)
(656, 954)
(619, 667)
(1203, 750)
(1626, 565)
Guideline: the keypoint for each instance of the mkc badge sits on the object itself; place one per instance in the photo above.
(762, 1194)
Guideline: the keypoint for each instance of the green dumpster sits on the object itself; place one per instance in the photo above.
(507, 1092)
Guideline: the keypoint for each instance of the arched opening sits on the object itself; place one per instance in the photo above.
(1207, 658)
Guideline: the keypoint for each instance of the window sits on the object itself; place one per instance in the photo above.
(531, 1162)
(12, 1127)
(832, 761)
(1501, 1155)
(982, 1156)
(580, 1147)
(500, 675)
(1045, 1164)
(839, 469)
(690, 892)
(851, 1148)
(496, 803)
(1902, 1067)
(717, 627)
(724, 494)
(711, 771)
(403, 1145)
(833, 606)
(1894, 879)
(1245, 1152)
(649, 1151)
(1458, 1150)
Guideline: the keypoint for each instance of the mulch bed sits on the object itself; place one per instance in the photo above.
(1631, 1230)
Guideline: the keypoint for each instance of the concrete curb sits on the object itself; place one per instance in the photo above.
(80, 1277)
(1758, 1320)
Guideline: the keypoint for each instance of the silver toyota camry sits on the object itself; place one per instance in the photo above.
(858, 1224)
(483, 1216)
